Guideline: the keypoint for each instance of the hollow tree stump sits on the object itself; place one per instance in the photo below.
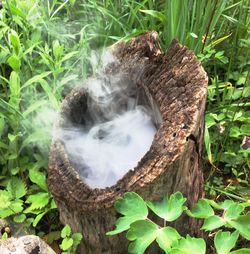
(178, 84)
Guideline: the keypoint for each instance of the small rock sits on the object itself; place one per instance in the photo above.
(29, 244)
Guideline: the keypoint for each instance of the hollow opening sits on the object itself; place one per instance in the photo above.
(107, 127)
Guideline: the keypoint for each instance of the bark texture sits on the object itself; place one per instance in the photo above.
(177, 83)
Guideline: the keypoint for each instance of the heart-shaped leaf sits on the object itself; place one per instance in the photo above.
(170, 208)
(233, 211)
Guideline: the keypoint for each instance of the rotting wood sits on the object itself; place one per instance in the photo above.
(178, 84)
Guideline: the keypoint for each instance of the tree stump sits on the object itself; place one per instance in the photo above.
(178, 84)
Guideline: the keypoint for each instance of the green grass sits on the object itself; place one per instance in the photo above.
(45, 48)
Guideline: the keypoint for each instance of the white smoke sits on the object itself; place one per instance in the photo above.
(120, 133)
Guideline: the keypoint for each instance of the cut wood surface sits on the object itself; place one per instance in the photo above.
(178, 84)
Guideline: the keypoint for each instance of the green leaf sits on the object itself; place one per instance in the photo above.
(169, 208)
(2, 124)
(14, 62)
(77, 237)
(167, 237)
(208, 144)
(225, 241)
(66, 243)
(4, 236)
(202, 209)
(19, 218)
(15, 207)
(133, 207)
(155, 14)
(242, 225)
(190, 245)
(212, 223)
(66, 231)
(5, 199)
(241, 251)
(38, 218)
(142, 233)
(15, 42)
(16, 187)
(233, 211)
(226, 204)
(38, 178)
(37, 201)
(36, 79)
(14, 89)
(69, 55)
(57, 49)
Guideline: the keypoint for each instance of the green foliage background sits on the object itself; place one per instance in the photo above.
(45, 50)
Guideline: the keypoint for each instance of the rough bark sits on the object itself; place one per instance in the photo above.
(178, 84)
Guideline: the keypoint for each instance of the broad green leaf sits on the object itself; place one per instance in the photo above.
(15, 206)
(241, 251)
(226, 204)
(212, 223)
(166, 237)
(16, 187)
(189, 245)
(155, 14)
(133, 207)
(142, 233)
(66, 231)
(170, 208)
(14, 62)
(242, 224)
(37, 201)
(66, 243)
(225, 241)
(5, 199)
(233, 211)
(38, 178)
(202, 209)
(77, 237)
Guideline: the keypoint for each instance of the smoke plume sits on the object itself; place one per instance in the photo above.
(119, 129)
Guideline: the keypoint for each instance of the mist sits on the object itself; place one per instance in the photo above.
(118, 131)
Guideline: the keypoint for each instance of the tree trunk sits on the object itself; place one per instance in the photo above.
(178, 85)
